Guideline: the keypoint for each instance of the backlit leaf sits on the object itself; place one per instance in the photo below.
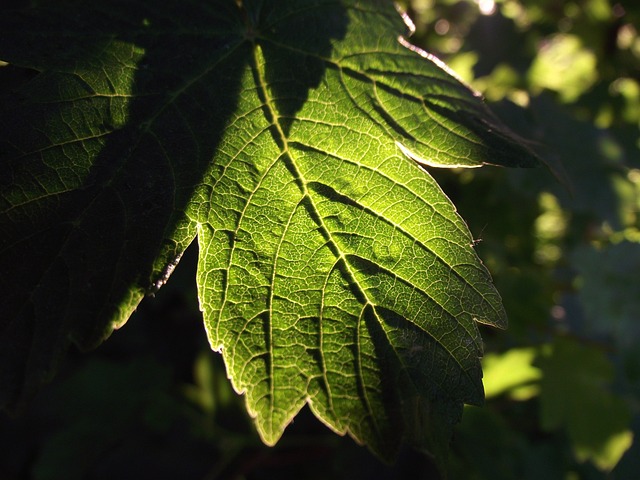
(291, 139)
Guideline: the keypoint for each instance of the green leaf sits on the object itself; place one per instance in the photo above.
(511, 372)
(580, 400)
(290, 138)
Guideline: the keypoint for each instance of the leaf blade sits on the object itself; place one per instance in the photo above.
(333, 270)
(320, 191)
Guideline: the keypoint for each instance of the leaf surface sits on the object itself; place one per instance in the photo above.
(292, 139)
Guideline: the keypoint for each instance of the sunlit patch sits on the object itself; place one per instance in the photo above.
(487, 7)
(512, 373)
(550, 228)
(407, 20)
(430, 162)
(564, 65)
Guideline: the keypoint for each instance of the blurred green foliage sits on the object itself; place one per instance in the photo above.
(563, 245)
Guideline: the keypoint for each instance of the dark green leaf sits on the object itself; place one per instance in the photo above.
(596, 419)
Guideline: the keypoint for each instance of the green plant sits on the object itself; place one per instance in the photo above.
(294, 141)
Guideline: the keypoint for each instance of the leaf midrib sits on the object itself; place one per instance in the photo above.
(282, 141)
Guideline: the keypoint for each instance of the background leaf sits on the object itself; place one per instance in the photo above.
(605, 437)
